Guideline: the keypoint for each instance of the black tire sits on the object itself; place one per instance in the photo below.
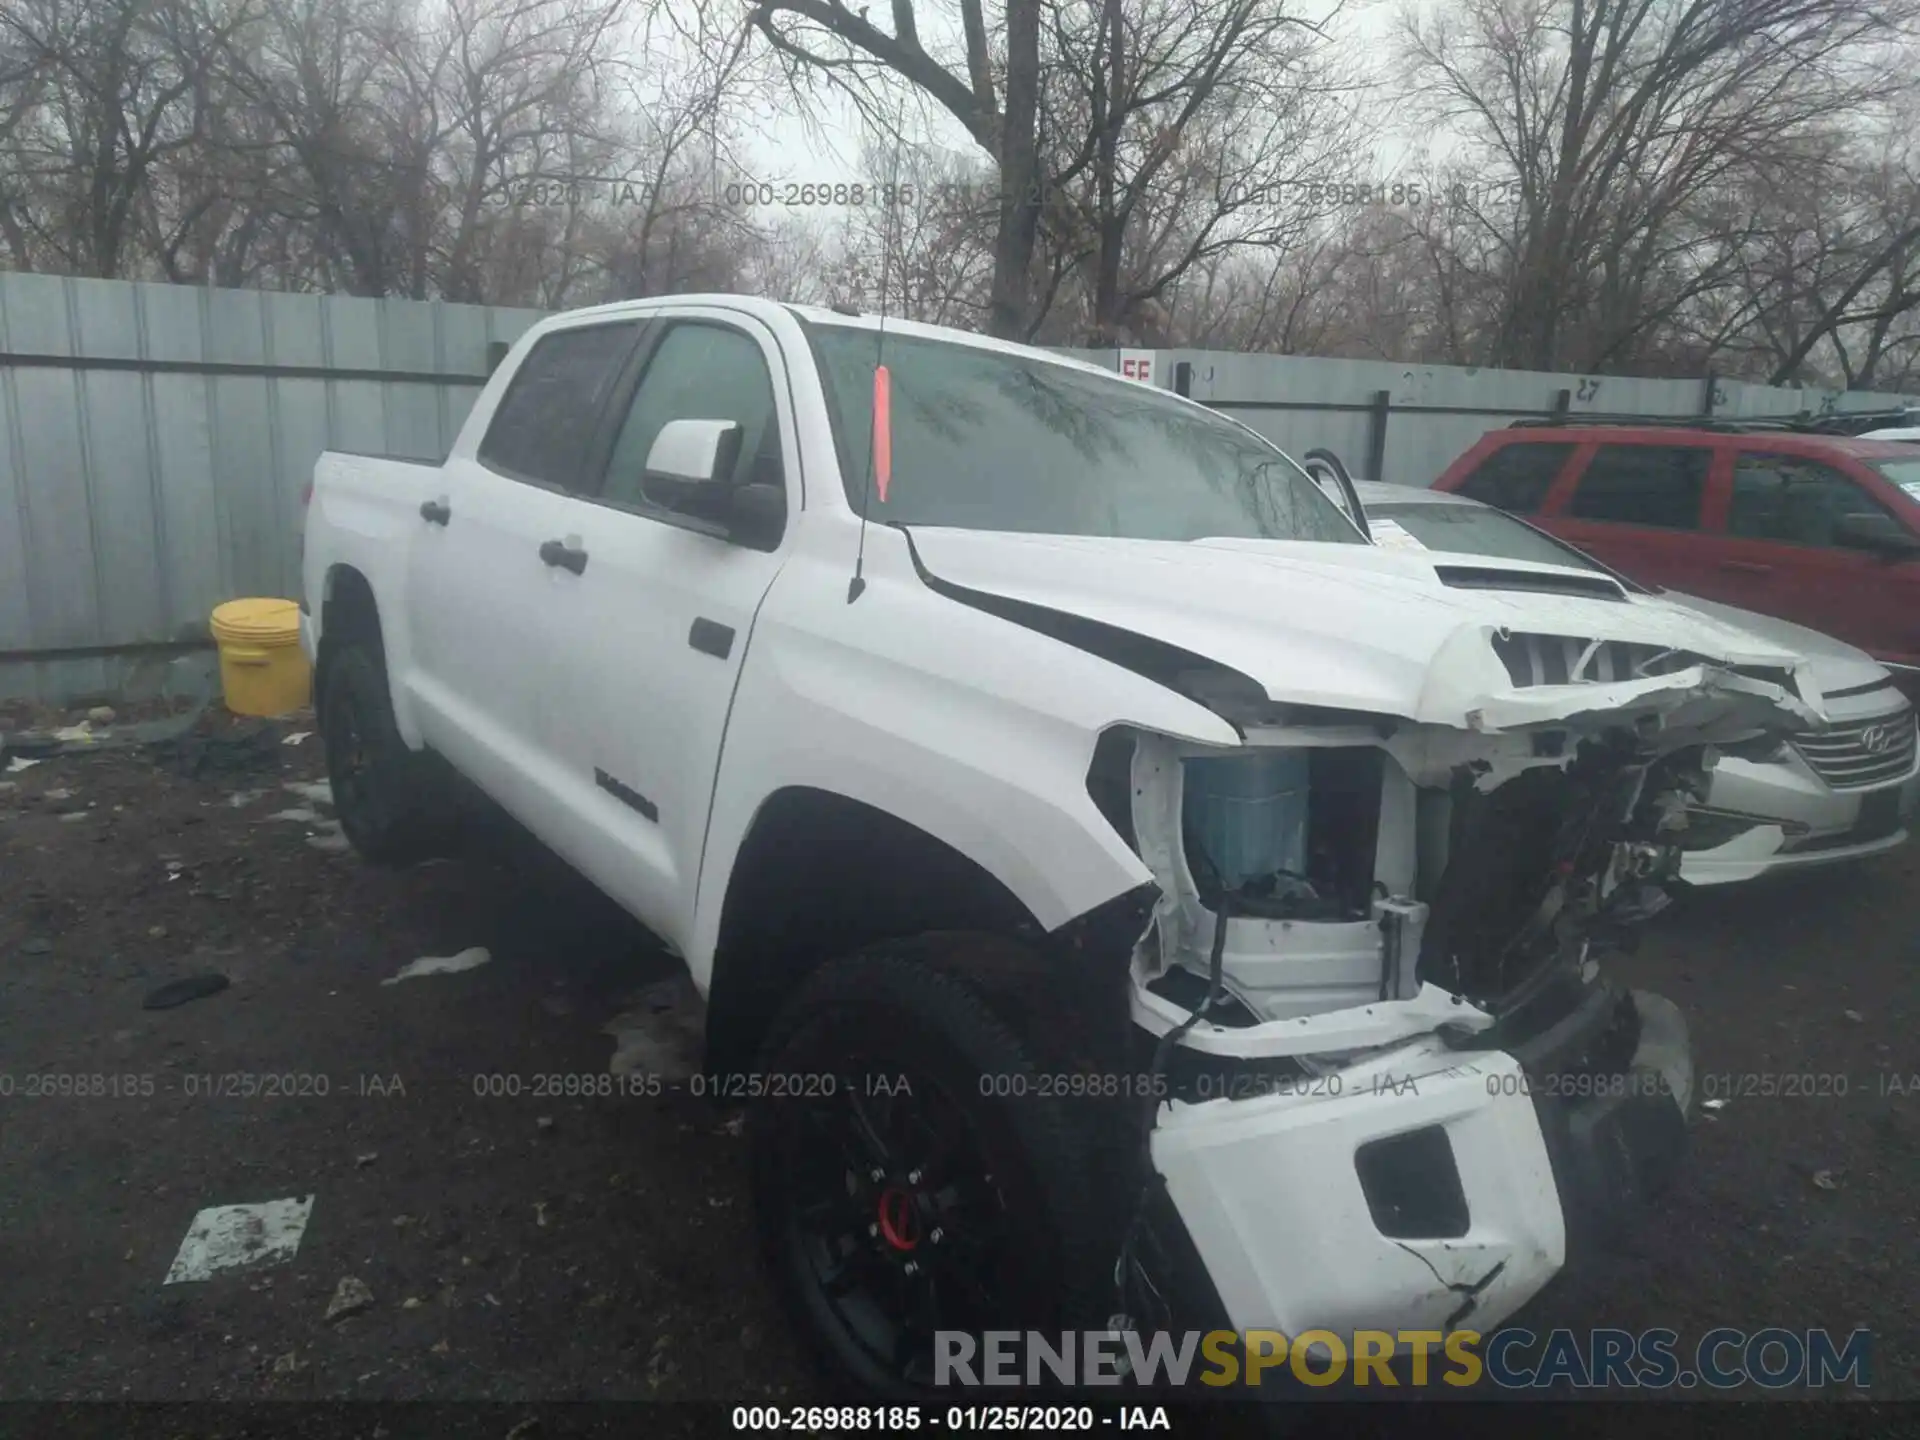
(994, 1189)
(381, 791)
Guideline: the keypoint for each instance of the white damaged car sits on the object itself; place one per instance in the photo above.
(1116, 887)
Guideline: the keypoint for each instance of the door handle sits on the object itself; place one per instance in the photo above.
(438, 511)
(1746, 567)
(710, 637)
(555, 553)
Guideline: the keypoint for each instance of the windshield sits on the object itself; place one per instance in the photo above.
(983, 440)
(1904, 473)
(1469, 530)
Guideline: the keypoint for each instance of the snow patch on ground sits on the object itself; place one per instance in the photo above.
(469, 959)
(227, 1237)
(660, 1031)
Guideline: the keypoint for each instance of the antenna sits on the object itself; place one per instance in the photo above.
(880, 422)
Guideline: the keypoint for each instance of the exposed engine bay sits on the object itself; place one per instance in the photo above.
(1347, 901)
(1554, 865)
(1383, 878)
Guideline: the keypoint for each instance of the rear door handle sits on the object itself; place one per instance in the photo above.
(556, 553)
(710, 637)
(438, 511)
(1746, 567)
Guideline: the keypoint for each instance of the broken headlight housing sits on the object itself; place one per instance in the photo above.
(1291, 832)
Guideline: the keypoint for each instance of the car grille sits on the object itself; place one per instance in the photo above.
(1869, 752)
(1550, 659)
(1533, 659)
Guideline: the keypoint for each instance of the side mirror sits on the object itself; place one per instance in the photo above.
(1877, 534)
(689, 457)
(758, 517)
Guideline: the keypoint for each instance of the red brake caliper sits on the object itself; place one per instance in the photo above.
(898, 1223)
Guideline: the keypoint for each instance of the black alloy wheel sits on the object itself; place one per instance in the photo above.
(910, 1178)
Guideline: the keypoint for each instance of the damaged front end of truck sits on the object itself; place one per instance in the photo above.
(1389, 1082)
(1404, 1090)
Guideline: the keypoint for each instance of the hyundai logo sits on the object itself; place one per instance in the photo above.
(1878, 739)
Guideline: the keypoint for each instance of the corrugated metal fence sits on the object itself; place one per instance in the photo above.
(1406, 423)
(154, 440)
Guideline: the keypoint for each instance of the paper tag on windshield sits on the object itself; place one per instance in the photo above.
(1388, 535)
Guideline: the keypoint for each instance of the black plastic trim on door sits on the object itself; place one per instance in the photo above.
(613, 415)
(626, 795)
(710, 637)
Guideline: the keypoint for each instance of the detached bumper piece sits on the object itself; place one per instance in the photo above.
(1361, 1200)
(1306, 1206)
(1615, 1125)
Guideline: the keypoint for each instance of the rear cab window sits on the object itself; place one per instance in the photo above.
(544, 424)
(1517, 477)
(1658, 486)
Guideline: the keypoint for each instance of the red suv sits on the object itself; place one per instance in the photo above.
(1819, 530)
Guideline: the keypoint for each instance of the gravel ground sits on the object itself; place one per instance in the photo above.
(557, 1247)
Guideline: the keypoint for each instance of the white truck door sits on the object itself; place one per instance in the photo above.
(654, 635)
(482, 577)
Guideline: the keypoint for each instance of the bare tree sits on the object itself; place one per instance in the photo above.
(1179, 131)
(1837, 275)
(103, 94)
(824, 40)
(921, 243)
(22, 86)
(335, 160)
(675, 229)
(1608, 117)
(511, 92)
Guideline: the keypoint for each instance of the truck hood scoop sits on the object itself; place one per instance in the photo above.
(1382, 632)
(1484, 577)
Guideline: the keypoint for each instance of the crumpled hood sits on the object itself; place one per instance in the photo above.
(1363, 628)
(1834, 663)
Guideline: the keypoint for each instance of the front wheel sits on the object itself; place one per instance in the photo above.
(912, 1175)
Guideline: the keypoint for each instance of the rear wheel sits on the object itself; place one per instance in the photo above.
(381, 791)
(910, 1177)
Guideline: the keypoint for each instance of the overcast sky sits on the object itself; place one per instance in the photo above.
(786, 148)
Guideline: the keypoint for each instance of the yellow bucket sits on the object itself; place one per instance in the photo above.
(263, 670)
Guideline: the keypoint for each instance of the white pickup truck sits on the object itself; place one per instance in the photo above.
(939, 725)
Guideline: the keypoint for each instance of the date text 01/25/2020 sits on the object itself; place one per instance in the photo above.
(224, 1085)
(702, 1085)
(908, 1419)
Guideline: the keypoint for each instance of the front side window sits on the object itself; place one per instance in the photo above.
(1657, 485)
(545, 420)
(984, 440)
(699, 372)
(1792, 500)
(1516, 478)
